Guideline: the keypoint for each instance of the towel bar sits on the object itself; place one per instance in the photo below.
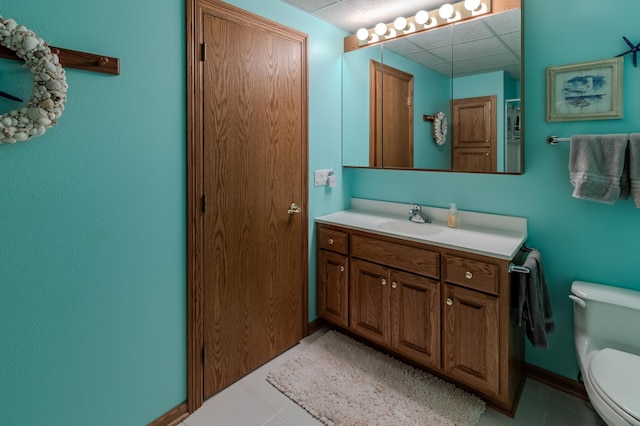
(553, 140)
(519, 269)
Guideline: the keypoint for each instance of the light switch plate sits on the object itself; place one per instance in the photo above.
(320, 177)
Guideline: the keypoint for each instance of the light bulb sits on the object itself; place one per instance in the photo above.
(381, 29)
(422, 17)
(447, 11)
(362, 34)
(472, 5)
(400, 24)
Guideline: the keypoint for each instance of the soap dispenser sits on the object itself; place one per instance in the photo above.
(453, 220)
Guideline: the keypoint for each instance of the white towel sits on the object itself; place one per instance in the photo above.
(596, 165)
(634, 167)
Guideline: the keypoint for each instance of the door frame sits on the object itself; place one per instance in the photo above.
(377, 111)
(195, 167)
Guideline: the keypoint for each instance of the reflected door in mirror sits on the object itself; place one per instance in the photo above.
(393, 121)
(474, 134)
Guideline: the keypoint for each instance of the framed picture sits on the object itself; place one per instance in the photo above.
(585, 91)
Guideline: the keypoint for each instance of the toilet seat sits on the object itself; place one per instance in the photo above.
(615, 376)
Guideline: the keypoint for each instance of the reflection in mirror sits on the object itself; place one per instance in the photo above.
(355, 104)
(470, 71)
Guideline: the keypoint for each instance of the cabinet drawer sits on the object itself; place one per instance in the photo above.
(473, 274)
(330, 239)
(411, 259)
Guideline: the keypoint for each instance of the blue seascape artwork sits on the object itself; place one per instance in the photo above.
(584, 91)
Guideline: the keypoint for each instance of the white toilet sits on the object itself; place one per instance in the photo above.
(607, 338)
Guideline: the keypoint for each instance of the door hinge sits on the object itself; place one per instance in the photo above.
(203, 52)
(203, 203)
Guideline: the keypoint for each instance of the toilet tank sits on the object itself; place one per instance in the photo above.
(610, 317)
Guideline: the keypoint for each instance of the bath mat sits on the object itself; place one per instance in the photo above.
(340, 381)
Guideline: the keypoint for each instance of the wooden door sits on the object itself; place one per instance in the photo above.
(415, 317)
(474, 134)
(391, 115)
(332, 287)
(471, 340)
(369, 301)
(253, 91)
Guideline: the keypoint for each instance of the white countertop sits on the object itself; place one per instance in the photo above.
(492, 235)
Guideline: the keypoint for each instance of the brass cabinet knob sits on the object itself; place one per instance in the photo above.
(394, 284)
(449, 301)
(468, 275)
(331, 241)
(384, 281)
(341, 268)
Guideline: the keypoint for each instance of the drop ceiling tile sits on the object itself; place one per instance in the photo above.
(343, 16)
(401, 46)
(488, 63)
(512, 40)
(478, 48)
(310, 5)
(469, 31)
(426, 58)
(431, 39)
(505, 22)
(388, 10)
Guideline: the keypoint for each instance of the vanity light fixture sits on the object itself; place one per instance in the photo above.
(423, 20)
(448, 12)
(382, 29)
(401, 24)
(476, 7)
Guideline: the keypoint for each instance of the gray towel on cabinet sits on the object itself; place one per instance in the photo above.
(534, 303)
(634, 167)
(596, 166)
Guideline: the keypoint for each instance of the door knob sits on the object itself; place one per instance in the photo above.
(294, 209)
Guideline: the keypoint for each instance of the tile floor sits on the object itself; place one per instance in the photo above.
(252, 401)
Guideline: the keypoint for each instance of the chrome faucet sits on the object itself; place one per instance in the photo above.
(416, 215)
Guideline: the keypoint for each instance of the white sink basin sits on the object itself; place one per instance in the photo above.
(409, 227)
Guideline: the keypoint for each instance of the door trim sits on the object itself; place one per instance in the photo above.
(195, 290)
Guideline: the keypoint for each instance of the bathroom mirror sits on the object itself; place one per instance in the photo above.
(470, 71)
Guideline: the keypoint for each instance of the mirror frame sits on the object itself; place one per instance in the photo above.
(351, 43)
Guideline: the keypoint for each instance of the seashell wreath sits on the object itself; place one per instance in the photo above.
(49, 85)
(440, 128)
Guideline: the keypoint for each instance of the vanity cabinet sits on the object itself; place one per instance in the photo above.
(332, 277)
(448, 310)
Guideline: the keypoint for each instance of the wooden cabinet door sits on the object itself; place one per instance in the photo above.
(415, 317)
(472, 160)
(369, 301)
(474, 134)
(332, 287)
(470, 338)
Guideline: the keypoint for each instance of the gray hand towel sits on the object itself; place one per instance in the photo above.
(596, 166)
(534, 303)
(634, 167)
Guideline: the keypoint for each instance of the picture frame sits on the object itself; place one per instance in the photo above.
(585, 91)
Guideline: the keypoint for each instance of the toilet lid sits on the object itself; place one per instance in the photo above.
(616, 374)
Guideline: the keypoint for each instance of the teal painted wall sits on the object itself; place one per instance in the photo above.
(578, 239)
(93, 214)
